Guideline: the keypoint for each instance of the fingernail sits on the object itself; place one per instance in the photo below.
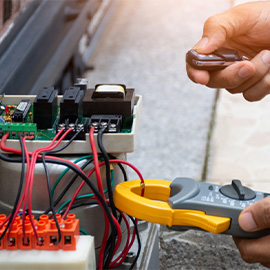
(245, 72)
(266, 57)
(247, 222)
(201, 44)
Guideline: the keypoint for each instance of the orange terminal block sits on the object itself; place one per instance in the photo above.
(25, 243)
(47, 233)
(41, 231)
(4, 239)
(2, 228)
(12, 242)
(52, 233)
(70, 233)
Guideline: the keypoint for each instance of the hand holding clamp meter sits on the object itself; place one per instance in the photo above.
(188, 204)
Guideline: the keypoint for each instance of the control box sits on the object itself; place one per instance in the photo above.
(114, 141)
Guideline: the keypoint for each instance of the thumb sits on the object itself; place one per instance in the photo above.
(256, 217)
(215, 33)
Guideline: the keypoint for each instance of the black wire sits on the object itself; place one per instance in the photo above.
(138, 240)
(107, 165)
(51, 200)
(19, 189)
(87, 203)
(92, 187)
(68, 186)
(80, 204)
(111, 240)
(121, 167)
(10, 159)
(56, 151)
(66, 145)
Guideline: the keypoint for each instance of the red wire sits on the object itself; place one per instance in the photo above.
(100, 188)
(35, 154)
(125, 250)
(30, 175)
(95, 157)
(81, 185)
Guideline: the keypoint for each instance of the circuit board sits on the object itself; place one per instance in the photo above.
(13, 121)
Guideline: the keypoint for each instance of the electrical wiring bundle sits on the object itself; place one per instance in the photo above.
(57, 227)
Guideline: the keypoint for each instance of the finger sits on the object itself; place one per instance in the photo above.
(214, 35)
(259, 90)
(256, 216)
(232, 76)
(254, 250)
(221, 27)
(261, 63)
(198, 76)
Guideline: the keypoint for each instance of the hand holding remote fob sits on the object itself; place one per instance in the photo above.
(217, 60)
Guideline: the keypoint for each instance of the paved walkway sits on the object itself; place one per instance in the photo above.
(240, 143)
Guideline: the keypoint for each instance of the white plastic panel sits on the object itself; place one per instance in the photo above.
(81, 259)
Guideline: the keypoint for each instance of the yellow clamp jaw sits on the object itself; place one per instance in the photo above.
(153, 207)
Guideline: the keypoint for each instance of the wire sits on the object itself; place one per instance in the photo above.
(51, 199)
(79, 188)
(108, 254)
(85, 195)
(18, 193)
(100, 188)
(107, 165)
(134, 221)
(98, 196)
(65, 171)
(112, 245)
(67, 144)
(83, 232)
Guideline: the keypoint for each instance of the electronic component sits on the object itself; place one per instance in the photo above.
(71, 105)
(45, 108)
(76, 126)
(113, 123)
(17, 129)
(109, 91)
(21, 111)
(187, 204)
(81, 83)
(109, 99)
(219, 59)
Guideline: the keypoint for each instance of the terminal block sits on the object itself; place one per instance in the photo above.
(112, 123)
(109, 99)
(17, 129)
(76, 126)
(47, 234)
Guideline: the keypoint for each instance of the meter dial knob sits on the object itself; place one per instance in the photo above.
(237, 191)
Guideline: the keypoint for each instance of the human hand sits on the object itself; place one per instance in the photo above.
(244, 28)
(253, 218)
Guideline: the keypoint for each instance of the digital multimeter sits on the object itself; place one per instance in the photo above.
(188, 204)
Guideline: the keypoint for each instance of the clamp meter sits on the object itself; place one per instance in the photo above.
(188, 204)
